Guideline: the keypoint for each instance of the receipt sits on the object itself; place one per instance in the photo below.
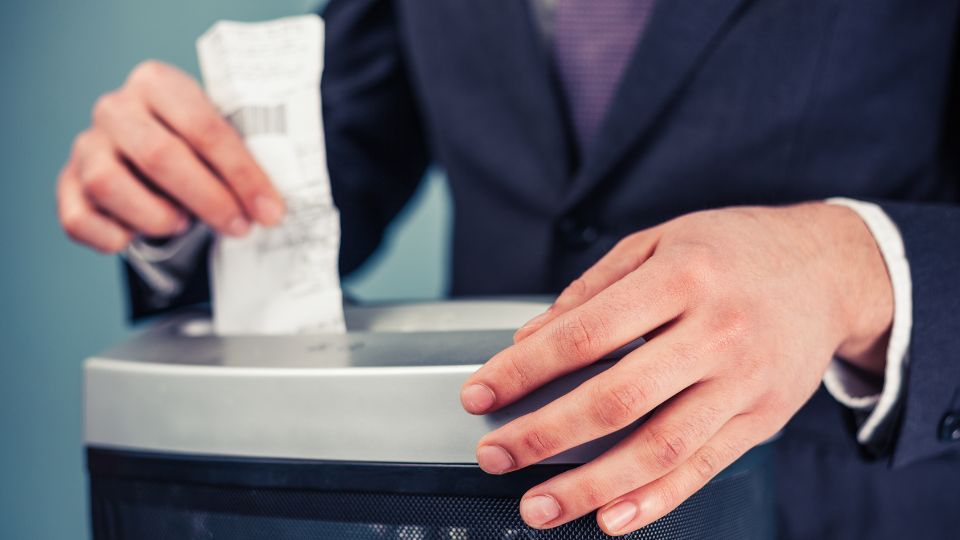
(265, 79)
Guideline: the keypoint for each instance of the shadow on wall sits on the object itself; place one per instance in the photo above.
(61, 302)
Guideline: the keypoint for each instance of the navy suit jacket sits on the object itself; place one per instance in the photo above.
(724, 102)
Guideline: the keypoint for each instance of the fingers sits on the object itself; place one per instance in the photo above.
(82, 223)
(606, 403)
(649, 503)
(175, 97)
(625, 257)
(158, 148)
(169, 163)
(629, 308)
(667, 440)
(110, 186)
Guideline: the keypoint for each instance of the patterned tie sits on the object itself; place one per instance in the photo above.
(593, 40)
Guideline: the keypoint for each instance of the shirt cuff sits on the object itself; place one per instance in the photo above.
(164, 265)
(849, 386)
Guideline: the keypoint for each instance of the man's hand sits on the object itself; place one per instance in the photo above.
(743, 309)
(157, 152)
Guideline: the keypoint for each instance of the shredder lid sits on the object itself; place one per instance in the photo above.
(387, 390)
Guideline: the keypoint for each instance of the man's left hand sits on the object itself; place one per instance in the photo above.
(743, 309)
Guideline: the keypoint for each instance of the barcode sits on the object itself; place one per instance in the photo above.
(259, 120)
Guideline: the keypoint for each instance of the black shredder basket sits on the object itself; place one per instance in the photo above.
(357, 436)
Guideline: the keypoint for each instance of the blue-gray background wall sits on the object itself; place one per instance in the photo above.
(59, 302)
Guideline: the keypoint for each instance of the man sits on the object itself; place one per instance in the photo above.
(590, 138)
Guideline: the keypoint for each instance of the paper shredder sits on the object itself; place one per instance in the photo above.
(352, 436)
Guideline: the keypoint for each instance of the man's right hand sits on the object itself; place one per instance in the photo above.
(158, 153)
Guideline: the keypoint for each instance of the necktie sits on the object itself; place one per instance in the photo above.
(593, 40)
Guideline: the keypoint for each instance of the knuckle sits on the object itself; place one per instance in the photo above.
(695, 270)
(727, 329)
(592, 493)
(580, 336)
(627, 243)
(539, 445)
(576, 289)
(684, 354)
(730, 324)
(755, 371)
(632, 246)
(243, 179)
(710, 414)
(147, 72)
(618, 405)
(669, 495)
(684, 281)
(155, 154)
(105, 105)
(667, 448)
(738, 446)
(80, 143)
(208, 132)
(774, 400)
(518, 370)
(707, 462)
(99, 183)
(702, 255)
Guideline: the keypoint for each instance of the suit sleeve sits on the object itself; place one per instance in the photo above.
(931, 393)
(376, 148)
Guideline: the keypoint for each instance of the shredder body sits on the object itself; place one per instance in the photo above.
(352, 436)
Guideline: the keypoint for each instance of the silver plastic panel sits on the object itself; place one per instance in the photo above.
(388, 390)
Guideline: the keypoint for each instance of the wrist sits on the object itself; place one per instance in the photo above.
(862, 286)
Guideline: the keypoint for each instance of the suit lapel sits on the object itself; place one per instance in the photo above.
(679, 35)
(510, 36)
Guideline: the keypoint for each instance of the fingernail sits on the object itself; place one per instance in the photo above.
(183, 223)
(477, 398)
(269, 210)
(539, 510)
(238, 226)
(494, 460)
(618, 516)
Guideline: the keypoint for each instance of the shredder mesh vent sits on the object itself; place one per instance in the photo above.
(131, 509)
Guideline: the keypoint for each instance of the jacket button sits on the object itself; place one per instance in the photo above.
(576, 235)
(950, 427)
